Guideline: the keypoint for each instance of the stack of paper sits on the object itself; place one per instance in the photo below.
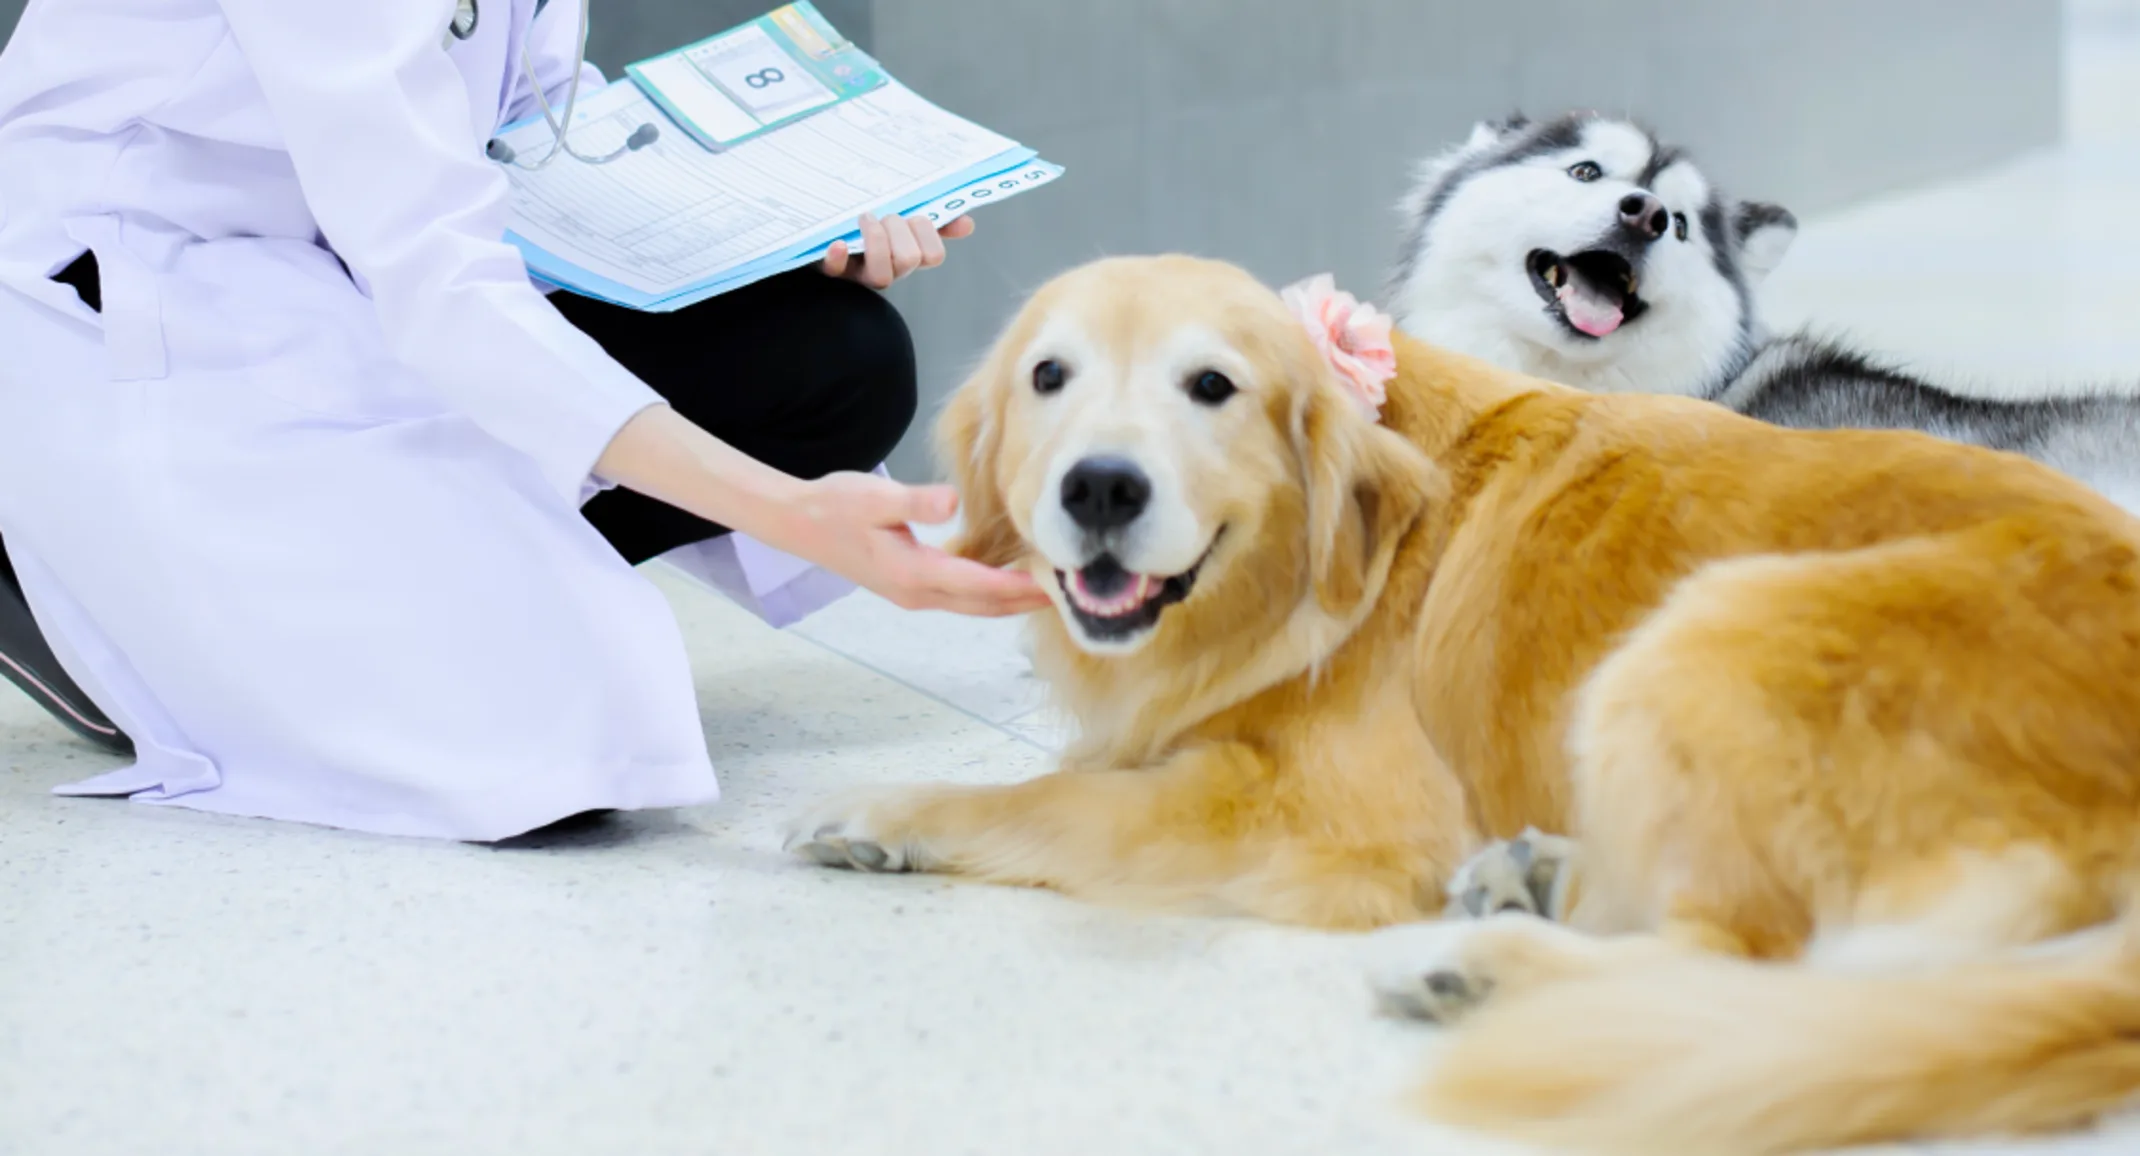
(677, 222)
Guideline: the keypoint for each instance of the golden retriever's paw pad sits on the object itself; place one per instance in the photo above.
(1423, 972)
(849, 832)
(1435, 997)
(1524, 875)
(830, 847)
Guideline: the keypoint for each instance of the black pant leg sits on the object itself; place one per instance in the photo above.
(809, 374)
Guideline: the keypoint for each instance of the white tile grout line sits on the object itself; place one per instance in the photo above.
(1002, 728)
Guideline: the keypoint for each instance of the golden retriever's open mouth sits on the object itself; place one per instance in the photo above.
(1113, 604)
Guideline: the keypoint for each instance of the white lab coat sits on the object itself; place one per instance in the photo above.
(314, 544)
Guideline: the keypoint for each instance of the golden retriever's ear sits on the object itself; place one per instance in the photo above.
(969, 435)
(1366, 486)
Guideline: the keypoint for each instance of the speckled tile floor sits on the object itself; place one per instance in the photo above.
(669, 983)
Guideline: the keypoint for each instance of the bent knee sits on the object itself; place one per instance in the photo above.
(880, 350)
(861, 373)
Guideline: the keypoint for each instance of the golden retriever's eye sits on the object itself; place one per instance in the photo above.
(1211, 387)
(1049, 376)
(1679, 225)
(1585, 171)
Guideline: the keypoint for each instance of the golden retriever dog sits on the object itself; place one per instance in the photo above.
(1846, 725)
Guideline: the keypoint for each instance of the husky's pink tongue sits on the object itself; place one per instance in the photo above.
(1586, 309)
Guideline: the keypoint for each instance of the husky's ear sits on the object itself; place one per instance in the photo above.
(1428, 175)
(1765, 234)
(1487, 133)
(1513, 122)
(969, 440)
(1365, 487)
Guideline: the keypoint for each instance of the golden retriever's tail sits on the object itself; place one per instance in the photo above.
(1708, 1055)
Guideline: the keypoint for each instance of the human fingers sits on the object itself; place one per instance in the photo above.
(966, 587)
(906, 249)
(876, 254)
(932, 244)
(836, 260)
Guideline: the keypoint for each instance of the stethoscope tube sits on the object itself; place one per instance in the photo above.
(468, 15)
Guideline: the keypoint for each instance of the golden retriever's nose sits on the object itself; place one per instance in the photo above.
(1105, 493)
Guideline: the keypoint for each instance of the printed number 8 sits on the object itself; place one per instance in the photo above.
(764, 78)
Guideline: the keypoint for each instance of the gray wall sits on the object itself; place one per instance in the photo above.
(628, 30)
(1278, 133)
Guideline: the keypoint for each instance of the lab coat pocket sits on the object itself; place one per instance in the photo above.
(133, 302)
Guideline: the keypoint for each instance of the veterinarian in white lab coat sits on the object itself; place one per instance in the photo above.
(293, 458)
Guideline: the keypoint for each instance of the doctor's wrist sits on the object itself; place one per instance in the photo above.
(664, 455)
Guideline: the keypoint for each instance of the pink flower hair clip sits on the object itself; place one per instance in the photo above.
(1352, 336)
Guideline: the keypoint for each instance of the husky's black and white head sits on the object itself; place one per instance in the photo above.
(1583, 251)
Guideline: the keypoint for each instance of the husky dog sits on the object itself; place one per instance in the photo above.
(1584, 251)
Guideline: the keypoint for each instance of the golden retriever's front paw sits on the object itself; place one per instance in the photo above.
(1439, 972)
(858, 831)
(1424, 971)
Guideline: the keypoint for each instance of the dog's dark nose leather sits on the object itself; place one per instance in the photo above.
(1105, 493)
(1645, 215)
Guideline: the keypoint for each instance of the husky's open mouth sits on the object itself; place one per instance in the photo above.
(1591, 292)
(1112, 604)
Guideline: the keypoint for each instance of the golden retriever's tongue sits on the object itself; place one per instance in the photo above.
(1136, 590)
(1587, 309)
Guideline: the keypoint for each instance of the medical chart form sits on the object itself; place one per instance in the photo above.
(674, 213)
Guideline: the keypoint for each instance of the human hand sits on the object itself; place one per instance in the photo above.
(854, 525)
(893, 247)
(857, 526)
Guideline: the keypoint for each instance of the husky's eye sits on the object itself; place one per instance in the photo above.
(1049, 376)
(1585, 171)
(1211, 387)
(1679, 225)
